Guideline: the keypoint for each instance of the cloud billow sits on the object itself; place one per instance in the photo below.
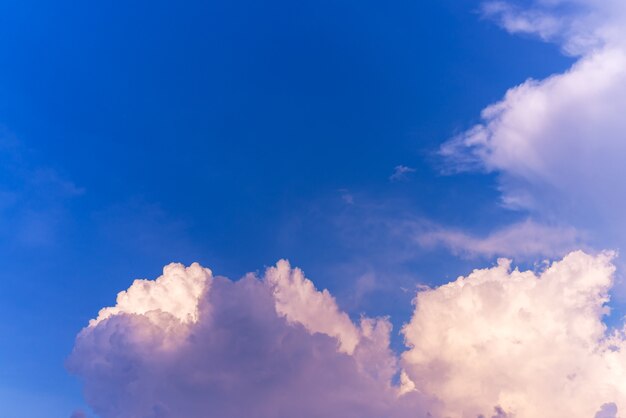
(274, 347)
(528, 342)
(495, 343)
(558, 144)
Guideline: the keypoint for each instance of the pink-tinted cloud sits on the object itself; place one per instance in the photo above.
(275, 347)
(497, 343)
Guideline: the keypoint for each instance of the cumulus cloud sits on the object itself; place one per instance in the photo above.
(497, 343)
(299, 302)
(263, 347)
(176, 293)
(532, 344)
(559, 143)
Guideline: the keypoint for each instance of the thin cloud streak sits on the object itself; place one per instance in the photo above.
(524, 240)
(401, 173)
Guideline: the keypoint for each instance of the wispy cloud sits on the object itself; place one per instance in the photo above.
(401, 172)
(144, 228)
(346, 196)
(33, 197)
(524, 240)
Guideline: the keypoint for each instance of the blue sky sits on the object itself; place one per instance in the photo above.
(234, 134)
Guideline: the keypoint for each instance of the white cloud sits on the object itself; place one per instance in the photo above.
(559, 144)
(176, 293)
(534, 345)
(401, 172)
(299, 301)
(272, 347)
(498, 343)
(523, 240)
(580, 26)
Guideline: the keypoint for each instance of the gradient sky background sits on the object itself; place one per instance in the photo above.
(234, 134)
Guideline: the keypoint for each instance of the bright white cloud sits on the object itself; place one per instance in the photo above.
(534, 345)
(559, 144)
(176, 292)
(499, 343)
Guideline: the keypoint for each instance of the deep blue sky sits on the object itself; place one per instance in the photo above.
(138, 133)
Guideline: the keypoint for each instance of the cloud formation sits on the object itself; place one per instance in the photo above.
(579, 26)
(401, 172)
(558, 144)
(497, 343)
(532, 344)
(270, 347)
(523, 240)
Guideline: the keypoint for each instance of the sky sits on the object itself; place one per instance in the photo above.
(390, 204)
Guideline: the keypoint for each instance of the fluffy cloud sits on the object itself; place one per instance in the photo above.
(298, 301)
(176, 293)
(534, 345)
(497, 343)
(193, 345)
(559, 143)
